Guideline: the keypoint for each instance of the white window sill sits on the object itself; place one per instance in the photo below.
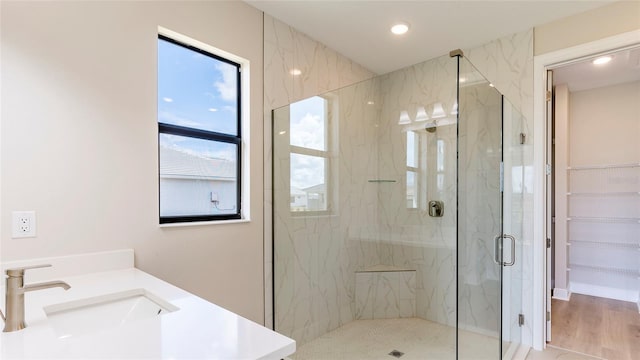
(205, 223)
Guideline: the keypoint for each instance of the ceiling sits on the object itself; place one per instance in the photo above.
(584, 75)
(360, 29)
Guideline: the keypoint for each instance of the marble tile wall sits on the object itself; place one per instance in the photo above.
(508, 64)
(317, 255)
(479, 208)
(385, 294)
(409, 236)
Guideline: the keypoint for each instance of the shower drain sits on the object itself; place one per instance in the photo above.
(396, 353)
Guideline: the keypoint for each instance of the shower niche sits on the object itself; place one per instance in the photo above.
(388, 205)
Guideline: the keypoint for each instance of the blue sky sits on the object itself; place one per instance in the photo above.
(198, 91)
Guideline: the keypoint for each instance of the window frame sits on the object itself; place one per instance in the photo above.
(184, 131)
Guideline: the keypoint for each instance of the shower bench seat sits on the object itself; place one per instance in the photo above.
(385, 292)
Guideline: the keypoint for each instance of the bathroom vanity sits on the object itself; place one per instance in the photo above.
(116, 311)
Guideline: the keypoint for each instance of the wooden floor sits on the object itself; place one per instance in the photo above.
(600, 327)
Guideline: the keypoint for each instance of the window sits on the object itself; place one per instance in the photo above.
(440, 164)
(199, 134)
(413, 170)
(310, 155)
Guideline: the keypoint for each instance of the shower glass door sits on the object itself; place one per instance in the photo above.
(481, 249)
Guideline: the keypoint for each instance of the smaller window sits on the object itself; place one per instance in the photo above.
(309, 155)
(413, 170)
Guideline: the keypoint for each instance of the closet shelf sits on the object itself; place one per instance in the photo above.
(602, 269)
(611, 193)
(604, 244)
(608, 166)
(605, 219)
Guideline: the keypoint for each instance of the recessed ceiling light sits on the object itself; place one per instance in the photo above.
(295, 72)
(400, 28)
(602, 60)
(370, 102)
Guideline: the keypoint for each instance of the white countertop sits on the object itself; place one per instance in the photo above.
(198, 330)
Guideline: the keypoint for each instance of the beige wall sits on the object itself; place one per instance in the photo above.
(79, 140)
(606, 21)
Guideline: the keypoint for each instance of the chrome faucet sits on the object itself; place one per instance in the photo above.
(15, 289)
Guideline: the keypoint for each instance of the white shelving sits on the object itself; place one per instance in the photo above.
(603, 226)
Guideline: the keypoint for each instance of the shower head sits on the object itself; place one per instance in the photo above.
(431, 127)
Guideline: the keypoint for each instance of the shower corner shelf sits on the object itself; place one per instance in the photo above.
(381, 181)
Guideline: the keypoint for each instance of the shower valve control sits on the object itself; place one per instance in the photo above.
(436, 208)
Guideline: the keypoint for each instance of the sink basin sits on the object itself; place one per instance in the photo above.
(105, 311)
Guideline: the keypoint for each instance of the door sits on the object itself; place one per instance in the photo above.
(483, 250)
(516, 190)
(550, 206)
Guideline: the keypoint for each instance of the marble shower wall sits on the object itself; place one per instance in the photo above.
(508, 64)
(322, 69)
(479, 206)
(317, 255)
(408, 237)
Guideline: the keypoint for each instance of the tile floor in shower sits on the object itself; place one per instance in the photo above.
(376, 339)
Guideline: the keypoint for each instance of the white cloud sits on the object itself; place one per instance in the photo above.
(308, 132)
(228, 86)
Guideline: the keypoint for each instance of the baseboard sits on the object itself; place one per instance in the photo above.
(561, 294)
(604, 291)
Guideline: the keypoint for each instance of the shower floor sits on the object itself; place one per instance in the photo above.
(416, 338)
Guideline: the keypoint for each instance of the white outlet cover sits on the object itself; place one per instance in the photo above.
(23, 224)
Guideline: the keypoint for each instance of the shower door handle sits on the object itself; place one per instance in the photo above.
(497, 250)
(513, 250)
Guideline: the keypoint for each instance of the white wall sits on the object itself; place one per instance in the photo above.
(79, 140)
(605, 125)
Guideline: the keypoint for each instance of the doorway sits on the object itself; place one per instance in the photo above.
(593, 191)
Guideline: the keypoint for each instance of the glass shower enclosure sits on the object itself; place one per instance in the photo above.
(393, 230)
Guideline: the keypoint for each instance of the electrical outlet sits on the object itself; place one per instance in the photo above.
(24, 224)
